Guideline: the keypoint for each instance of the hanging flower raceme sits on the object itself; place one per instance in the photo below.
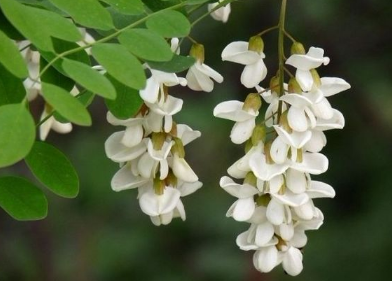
(276, 195)
(151, 151)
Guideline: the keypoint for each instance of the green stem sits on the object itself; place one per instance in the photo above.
(102, 40)
(281, 35)
(267, 30)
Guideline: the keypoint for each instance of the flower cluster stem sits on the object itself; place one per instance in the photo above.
(281, 35)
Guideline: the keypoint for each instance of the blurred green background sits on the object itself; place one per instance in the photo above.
(102, 235)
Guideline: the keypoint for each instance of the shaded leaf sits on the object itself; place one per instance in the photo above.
(17, 133)
(127, 102)
(176, 64)
(133, 7)
(120, 64)
(53, 169)
(66, 105)
(11, 58)
(22, 200)
(11, 88)
(169, 23)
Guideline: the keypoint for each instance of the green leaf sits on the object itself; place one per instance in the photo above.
(85, 97)
(120, 64)
(89, 78)
(11, 58)
(146, 44)
(176, 64)
(17, 133)
(133, 7)
(9, 29)
(127, 103)
(55, 77)
(65, 104)
(61, 46)
(11, 88)
(22, 200)
(169, 23)
(89, 13)
(53, 169)
(196, 2)
(39, 25)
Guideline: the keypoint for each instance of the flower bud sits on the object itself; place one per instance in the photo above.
(248, 145)
(250, 179)
(252, 102)
(158, 139)
(178, 148)
(294, 86)
(299, 155)
(258, 134)
(171, 179)
(275, 84)
(297, 49)
(197, 51)
(263, 200)
(256, 44)
(159, 186)
(316, 78)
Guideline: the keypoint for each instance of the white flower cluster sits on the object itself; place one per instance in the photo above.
(33, 86)
(151, 148)
(282, 152)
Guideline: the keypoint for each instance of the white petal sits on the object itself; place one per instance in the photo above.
(187, 188)
(279, 150)
(44, 129)
(253, 74)
(292, 261)
(117, 152)
(286, 231)
(238, 52)
(313, 163)
(275, 212)
(182, 170)
(266, 259)
(264, 233)
(235, 172)
(317, 141)
(240, 191)
(291, 199)
(320, 189)
(297, 119)
(192, 80)
(331, 86)
(125, 179)
(243, 244)
(294, 139)
(151, 91)
(336, 122)
(305, 211)
(296, 181)
(305, 79)
(133, 135)
(232, 110)
(186, 134)
(62, 128)
(299, 239)
(242, 209)
(323, 109)
(242, 131)
(208, 71)
(198, 81)
(265, 171)
(147, 166)
(276, 183)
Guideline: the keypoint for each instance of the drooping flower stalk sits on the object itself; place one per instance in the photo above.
(282, 151)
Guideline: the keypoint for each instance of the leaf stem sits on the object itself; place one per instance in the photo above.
(267, 30)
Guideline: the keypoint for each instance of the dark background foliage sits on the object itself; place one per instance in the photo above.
(103, 235)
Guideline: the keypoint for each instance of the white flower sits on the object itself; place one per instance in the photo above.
(199, 77)
(52, 124)
(153, 204)
(255, 70)
(304, 63)
(292, 261)
(221, 14)
(300, 116)
(133, 133)
(245, 120)
(244, 207)
(265, 259)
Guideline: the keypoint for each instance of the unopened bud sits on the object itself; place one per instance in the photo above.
(267, 152)
(258, 134)
(316, 78)
(263, 200)
(250, 179)
(256, 44)
(294, 86)
(297, 49)
(197, 51)
(252, 102)
(158, 139)
(171, 179)
(248, 145)
(284, 122)
(159, 186)
(178, 148)
(275, 84)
